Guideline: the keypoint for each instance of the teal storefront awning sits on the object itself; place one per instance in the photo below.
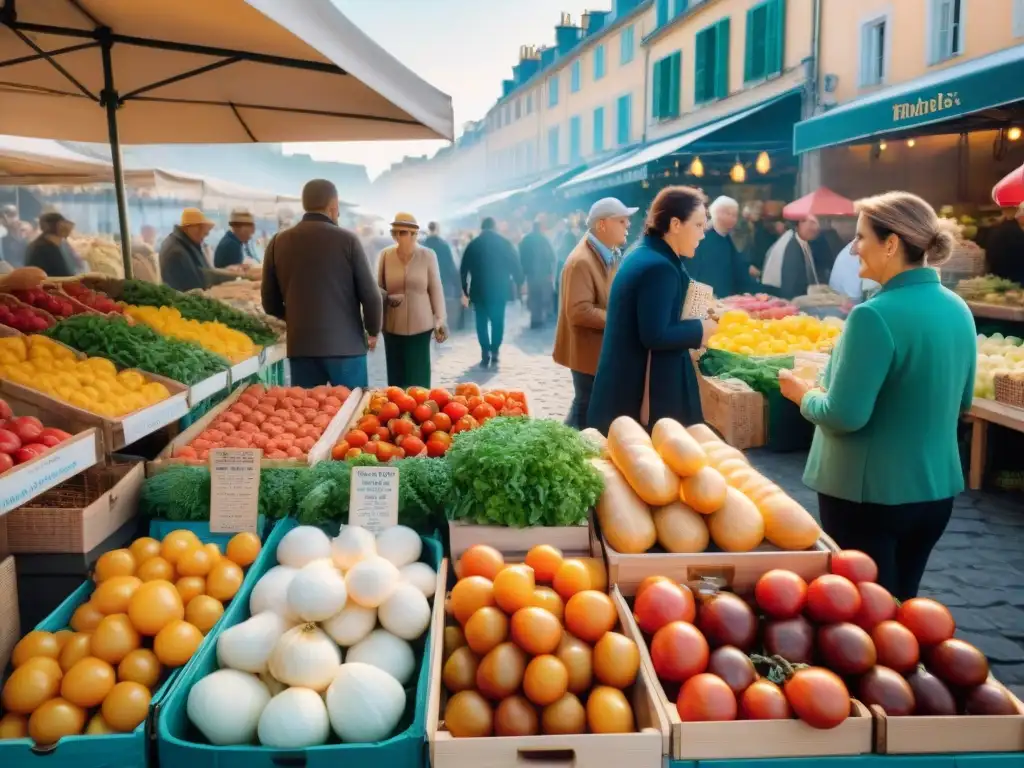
(985, 83)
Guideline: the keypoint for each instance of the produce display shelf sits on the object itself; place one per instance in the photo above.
(25, 482)
(570, 539)
(321, 450)
(997, 311)
(275, 353)
(983, 413)
(124, 750)
(207, 388)
(248, 367)
(175, 744)
(159, 528)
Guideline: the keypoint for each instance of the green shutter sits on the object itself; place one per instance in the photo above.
(674, 85)
(748, 57)
(776, 36)
(656, 95)
(700, 89)
(721, 84)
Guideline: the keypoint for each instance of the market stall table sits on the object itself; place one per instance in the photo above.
(983, 413)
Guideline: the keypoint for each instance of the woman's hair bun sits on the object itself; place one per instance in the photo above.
(947, 232)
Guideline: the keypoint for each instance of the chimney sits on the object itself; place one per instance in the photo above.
(593, 21)
(529, 63)
(567, 34)
(547, 57)
(507, 86)
(622, 7)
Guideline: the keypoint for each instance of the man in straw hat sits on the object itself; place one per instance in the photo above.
(317, 279)
(181, 253)
(231, 250)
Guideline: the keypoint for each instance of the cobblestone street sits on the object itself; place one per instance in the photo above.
(977, 569)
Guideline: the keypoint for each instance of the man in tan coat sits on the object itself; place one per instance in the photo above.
(583, 299)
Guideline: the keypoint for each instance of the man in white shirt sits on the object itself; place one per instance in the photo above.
(846, 279)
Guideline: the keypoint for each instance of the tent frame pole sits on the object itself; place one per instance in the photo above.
(110, 102)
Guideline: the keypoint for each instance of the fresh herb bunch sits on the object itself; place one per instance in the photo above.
(137, 346)
(196, 307)
(761, 374)
(520, 472)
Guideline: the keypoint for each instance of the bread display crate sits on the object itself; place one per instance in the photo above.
(79, 515)
(321, 450)
(644, 749)
(24, 482)
(570, 539)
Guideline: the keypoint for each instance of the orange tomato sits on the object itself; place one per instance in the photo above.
(514, 587)
(535, 630)
(486, 628)
(114, 638)
(244, 548)
(126, 706)
(608, 711)
(546, 680)
(74, 650)
(85, 618)
(649, 581)
(194, 562)
(143, 549)
(117, 562)
(481, 560)
(88, 682)
(572, 576)
(589, 614)
(140, 666)
(175, 643)
(545, 561)
(155, 605)
(549, 600)
(27, 688)
(469, 595)
(203, 612)
(177, 543)
(112, 595)
(63, 635)
(55, 719)
(13, 726)
(190, 586)
(224, 580)
(214, 553)
(616, 660)
(156, 569)
(35, 643)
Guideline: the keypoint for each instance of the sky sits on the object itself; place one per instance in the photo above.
(463, 47)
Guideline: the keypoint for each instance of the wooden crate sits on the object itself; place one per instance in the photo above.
(320, 452)
(516, 542)
(10, 624)
(734, 410)
(644, 749)
(24, 482)
(99, 502)
(738, 739)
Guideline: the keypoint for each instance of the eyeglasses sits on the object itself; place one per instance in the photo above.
(402, 233)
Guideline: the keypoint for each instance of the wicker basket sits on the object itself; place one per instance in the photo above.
(734, 410)
(968, 260)
(1010, 390)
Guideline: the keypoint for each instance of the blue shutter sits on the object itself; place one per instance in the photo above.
(701, 92)
(675, 62)
(656, 88)
(721, 84)
(575, 139)
(663, 12)
(553, 146)
(775, 29)
(599, 130)
(627, 43)
(680, 7)
(625, 109)
(748, 48)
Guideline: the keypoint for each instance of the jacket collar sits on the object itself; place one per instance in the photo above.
(317, 217)
(185, 240)
(659, 245)
(918, 276)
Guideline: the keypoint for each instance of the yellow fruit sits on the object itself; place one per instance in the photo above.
(203, 612)
(243, 548)
(175, 643)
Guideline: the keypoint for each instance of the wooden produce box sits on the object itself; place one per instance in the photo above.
(321, 450)
(734, 410)
(78, 515)
(10, 625)
(516, 542)
(644, 749)
(22, 483)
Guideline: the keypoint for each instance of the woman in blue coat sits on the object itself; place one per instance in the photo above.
(645, 370)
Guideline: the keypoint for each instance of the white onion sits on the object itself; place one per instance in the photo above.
(364, 704)
(317, 592)
(271, 592)
(306, 657)
(294, 719)
(274, 686)
(352, 544)
(421, 576)
(400, 545)
(383, 650)
(247, 646)
(351, 624)
(303, 545)
(406, 614)
(371, 581)
(226, 706)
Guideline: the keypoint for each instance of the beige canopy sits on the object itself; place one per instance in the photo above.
(26, 161)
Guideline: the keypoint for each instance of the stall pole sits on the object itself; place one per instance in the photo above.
(109, 100)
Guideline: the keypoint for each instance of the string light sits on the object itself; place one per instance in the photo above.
(911, 142)
(696, 167)
(763, 163)
(738, 173)
(882, 146)
(1013, 134)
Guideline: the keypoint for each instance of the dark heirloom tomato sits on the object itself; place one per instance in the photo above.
(897, 647)
(706, 697)
(989, 699)
(678, 652)
(957, 663)
(818, 697)
(734, 667)
(832, 599)
(876, 605)
(726, 619)
(764, 700)
(931, 622)
(781, 594)
(846, 648)
(931, 696)
(854, 565)
(887, 689)
(792, 639)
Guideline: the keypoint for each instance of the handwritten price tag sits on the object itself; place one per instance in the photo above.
(373, 501)
(18, 486)
(234, 489)
(245, 368)
(149, 420)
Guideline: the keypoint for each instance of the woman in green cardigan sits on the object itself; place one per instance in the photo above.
(885, 460)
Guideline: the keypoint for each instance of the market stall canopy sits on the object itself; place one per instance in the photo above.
(206, 71)
(821, 202)
(27, 161)
(1009, 192)
(978, 94)
(209, 192)
(470, 208)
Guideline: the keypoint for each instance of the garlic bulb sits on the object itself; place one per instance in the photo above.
(305, 656)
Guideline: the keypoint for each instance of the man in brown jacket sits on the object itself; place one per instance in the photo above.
(583, 299)
(317, 279)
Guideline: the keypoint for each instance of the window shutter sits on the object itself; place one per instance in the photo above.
(721, 85)
(748, 56)
(663, 12)
(656, 94)
(674, 85)
(776, 37)
(700, 90)
(865, 55)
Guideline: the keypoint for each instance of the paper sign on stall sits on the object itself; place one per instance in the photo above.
(373, 502)
(234, 489)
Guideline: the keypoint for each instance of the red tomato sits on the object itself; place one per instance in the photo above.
(679, 651)
(401, 427)
(930, 621)
(27, 428)
(663, 603)
(436, 446)
(764, 700)
(58, 433)
(442, 421)
(818, 696)
(387, 412)
(9, 442)
(393, 393)
(371, 447)
(406, 404)
(27, 453)
(832, 598)
(483, 412)
(419, 394)
(495, 399)
(441, 396)
(465, 424)
(5, 410)
(455, 411)
(781, 594)
(356, 438)
(428, 428)
(422, 413)
(6, 462)
(854, 565)
(353, 452)
(49, 441)
(706, 698)
(846, 648)
(896, 645)
(369, 424)
(413, 446)
(876, 605)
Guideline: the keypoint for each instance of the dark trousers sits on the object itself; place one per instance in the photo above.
(408, 359)
(490, 327)
(899, 538)
(583, 385)
(309, 372)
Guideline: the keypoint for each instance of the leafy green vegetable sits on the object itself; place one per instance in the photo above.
(181, 493)
(761, 374)
(522, 472)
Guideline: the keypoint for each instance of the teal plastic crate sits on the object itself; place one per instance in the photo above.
(995, 760)
(179, 745)
(123, 750)
(158, 528)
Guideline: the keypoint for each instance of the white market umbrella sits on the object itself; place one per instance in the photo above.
(25, 161)
(203, 72)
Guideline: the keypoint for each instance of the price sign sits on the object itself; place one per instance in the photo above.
(373, 502)
(149, 420)
(234, 489)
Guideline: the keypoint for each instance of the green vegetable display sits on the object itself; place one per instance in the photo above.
(195, 307)
(519, 472)
(138, 346)
(761, 374)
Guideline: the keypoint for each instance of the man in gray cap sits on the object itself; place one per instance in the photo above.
(583, 299)
(232, 248)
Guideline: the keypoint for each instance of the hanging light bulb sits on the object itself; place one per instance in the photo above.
(763, 163)
(911, 142)
(696, 167)
(738, 173)
(882, 146)
(1013, 134)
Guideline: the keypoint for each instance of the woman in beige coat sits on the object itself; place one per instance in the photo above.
(410, 280)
